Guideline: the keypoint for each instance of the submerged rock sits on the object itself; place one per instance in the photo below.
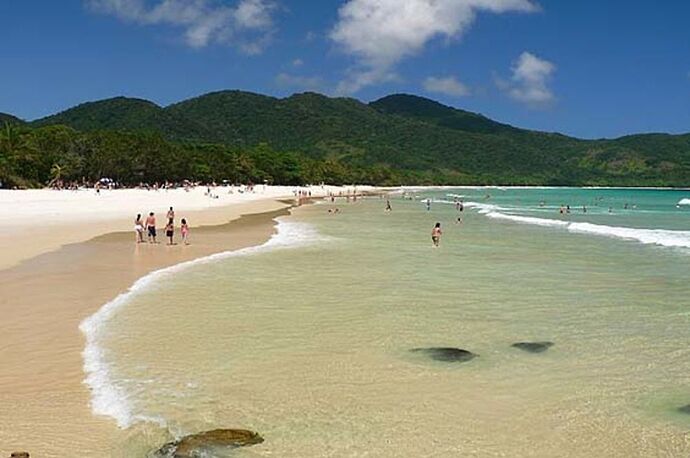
(446, 354)
(533, 347)
(206, 443)
(684, 409)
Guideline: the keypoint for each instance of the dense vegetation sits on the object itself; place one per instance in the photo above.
(308, 138)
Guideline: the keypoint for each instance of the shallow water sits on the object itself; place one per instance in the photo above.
(306, 340)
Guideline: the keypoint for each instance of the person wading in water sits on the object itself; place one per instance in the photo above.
(436, 235)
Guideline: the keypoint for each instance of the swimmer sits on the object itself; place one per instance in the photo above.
(436, 235)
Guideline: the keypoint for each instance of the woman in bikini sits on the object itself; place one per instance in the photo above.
(139, 229)
(436, 235)
(184, 229)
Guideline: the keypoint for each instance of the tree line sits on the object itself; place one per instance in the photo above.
(36, 157)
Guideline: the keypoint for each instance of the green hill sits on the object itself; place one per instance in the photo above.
(8, 118)
(422, 109)
(123, 113)
(422, 139)
(362, 134)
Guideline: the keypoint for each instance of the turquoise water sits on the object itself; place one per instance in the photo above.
(307, 340)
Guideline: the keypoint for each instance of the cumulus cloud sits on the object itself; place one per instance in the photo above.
(202, 21)
(303, 83)
(381, 33)
(530, 80)
(448, 85)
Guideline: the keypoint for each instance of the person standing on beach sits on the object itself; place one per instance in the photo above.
(436, 235)
(151, 228)
(139, 229)
(184, 230)
(388, 205)
(171, 215)
(170, 231)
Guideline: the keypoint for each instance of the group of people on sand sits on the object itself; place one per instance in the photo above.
(148, 227)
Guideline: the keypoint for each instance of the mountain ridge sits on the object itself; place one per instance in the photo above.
(399, 131)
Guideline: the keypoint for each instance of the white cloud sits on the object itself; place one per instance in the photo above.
(304, 83)
(448, 85)
(203, 21)
(297, 63)
(358, 79)
(530, 80)
(254, 14)
(381, 33)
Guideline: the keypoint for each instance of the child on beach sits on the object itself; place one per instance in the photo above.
(184, 229)
(170, 231)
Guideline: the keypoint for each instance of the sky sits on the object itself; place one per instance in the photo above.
(588, 68)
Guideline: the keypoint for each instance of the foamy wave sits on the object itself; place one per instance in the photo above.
(528, 219)
(110, 399)
(661, 237)
(684, 202)
(483, 209)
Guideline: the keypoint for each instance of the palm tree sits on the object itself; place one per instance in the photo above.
(56, 174)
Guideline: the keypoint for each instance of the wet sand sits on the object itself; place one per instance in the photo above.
(44, 402)
(21, 240)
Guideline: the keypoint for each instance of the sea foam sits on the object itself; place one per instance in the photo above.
(527, 219)
(661, 237)
(108, 398)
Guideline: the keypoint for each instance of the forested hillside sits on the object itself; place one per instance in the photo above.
(309, 137)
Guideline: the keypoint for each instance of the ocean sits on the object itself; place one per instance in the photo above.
(308, 338)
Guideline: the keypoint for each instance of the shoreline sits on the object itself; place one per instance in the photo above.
(40, 221)
(43, 378)
(498, 186)
(106, 400)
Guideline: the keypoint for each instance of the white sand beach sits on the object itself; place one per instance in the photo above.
(64, 255)
(42, 220)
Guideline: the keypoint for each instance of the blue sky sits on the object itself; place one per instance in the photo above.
(585, 68)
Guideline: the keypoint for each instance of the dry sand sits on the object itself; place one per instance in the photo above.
(45, 405)
(42, 220)
(64, 255)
